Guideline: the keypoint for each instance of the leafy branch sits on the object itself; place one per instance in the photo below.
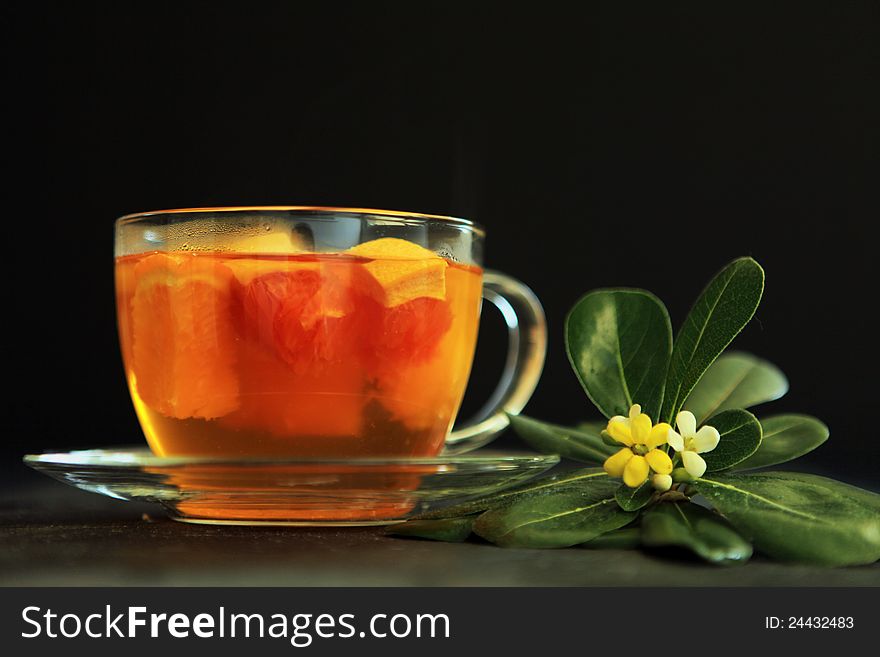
(689, 480)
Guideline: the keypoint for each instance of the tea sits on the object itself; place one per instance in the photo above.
(361, 353)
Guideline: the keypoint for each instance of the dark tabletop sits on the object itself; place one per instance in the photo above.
(51, 534)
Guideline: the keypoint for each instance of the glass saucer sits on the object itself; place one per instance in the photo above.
(311, 492)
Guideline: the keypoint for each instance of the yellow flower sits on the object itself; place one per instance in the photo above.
(690, 443)
(640, 456)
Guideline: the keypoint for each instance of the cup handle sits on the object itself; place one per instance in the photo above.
(526, 349)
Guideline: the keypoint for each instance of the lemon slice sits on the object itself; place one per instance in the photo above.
(403, 270)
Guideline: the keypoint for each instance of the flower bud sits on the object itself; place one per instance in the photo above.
(680, 475)
(661, 482)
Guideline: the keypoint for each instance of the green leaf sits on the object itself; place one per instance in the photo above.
(535, 488)
(567, 442)
(618, 539)
(633, 499)
(619, 342)
(735, 380)
(692, 527)
(719, 314)
(740, 437)
(799, 517)
(786, 437)
(451, 530)
(561, 519)
(595, 427)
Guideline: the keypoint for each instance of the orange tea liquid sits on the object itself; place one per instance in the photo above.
(362, 353)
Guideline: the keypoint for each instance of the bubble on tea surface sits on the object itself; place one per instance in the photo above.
(268, 241)
(459, 248)
(205, 235)
(446, 251)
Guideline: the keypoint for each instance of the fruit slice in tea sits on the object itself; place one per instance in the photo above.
(183, 341)
(408, 282)
(299, 376)
(411, 331)
(413, 314)
(125, 287)
(420, 371)
(304, 312)
(402, 271)
(263, 292)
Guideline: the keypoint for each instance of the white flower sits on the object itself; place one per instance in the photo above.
(690, 443)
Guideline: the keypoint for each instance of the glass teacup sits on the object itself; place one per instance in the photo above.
(313, 332)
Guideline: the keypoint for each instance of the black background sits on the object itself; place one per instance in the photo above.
(606, 145)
